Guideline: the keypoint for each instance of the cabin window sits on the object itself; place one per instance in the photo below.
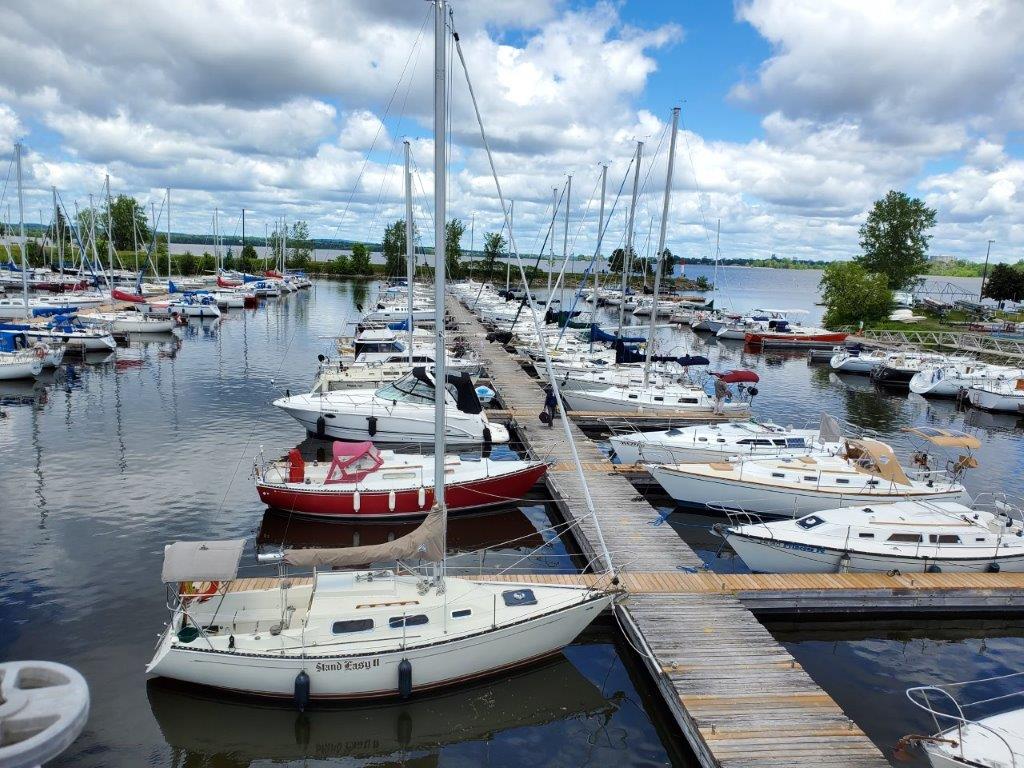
(778, 474)
(843, 480)
(703, 439)
(633, 397)
(943, 538)
(980, 538)
(908, 538)
(659, 399)
(795, 442)
(462, 613)
(690, 400)
(352, 625)
(514, 597)
(397, 622)
(811, 478)
(872, 482)
(720, 440)
(866, 535)
(811, 521)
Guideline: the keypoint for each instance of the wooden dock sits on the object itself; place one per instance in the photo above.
(738, 696)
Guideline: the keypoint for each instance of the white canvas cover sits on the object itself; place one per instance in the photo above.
(202, 560)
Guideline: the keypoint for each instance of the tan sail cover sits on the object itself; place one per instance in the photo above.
(946, 438)
(424, 543)
(878, 458)
(202, 560)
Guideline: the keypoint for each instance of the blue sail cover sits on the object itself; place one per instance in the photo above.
(12, 340)
(49, 311)
(251, 278)
(399, 326)
(596, 334)
(624, 354)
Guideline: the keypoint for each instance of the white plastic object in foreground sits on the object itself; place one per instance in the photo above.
(43, 708)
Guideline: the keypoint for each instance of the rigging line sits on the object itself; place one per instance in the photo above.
(7, 181)
(380, 127)
(536, 322)
(696, 182)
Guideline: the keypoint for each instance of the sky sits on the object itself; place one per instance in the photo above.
(795, 116)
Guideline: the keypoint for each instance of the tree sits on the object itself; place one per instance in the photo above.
(494, 245)
(361, 259)
(301, 245)
(852, 294)
(125, 212)
(1004, 283)
(209, 263)
(187, 263)
(393, 246)
(343, 264)
(615, 261)
(453, 232)
(668, 263)
(895, 238)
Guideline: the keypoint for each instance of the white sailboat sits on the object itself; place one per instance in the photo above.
(949, 380)
(364, 633)
(1006, 396)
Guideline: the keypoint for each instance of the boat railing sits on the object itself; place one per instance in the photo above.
(1005, 505)
(948, 711)
(738, 516)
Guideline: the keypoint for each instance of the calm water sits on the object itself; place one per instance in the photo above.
(105, 462)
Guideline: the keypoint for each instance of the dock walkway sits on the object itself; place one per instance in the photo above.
(738, 696)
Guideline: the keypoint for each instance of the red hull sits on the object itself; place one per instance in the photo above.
(476, 494)
(224, 283)
(272, 273)
(794, 339)
(126, 296)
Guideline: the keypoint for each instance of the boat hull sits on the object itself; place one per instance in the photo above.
(319, 501)
(778, 556)
(795, 340)
(21, 369)
(699, 491)
(893, 377)
(375, 675)
(995, 401)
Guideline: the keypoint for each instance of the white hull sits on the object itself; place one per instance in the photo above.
(600, 401)
(762, 499)
(82, 342)
(854, 364)
(996, 401)
(19, 366)
(200, 311)
(375, 674)
(777, 556)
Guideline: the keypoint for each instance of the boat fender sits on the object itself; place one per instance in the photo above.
(844, 563)
(231, 641)
(355, 501)
(933, 568)
(321, 424)
(371, 425)
(302, 691)
(287, 393)
(993, 568)
(391, 500)
(421, 497)
(487, 436)
(404, 679)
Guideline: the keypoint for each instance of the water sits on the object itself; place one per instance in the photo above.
(107, 461)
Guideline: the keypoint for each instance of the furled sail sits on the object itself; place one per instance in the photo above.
(424, 543)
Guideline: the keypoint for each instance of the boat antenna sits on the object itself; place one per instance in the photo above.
(606, 555)
(659, 256)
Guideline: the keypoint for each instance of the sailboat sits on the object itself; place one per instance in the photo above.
(363, 633)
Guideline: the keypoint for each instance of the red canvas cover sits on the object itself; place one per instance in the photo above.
(352, 462)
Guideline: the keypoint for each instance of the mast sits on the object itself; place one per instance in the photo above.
(216, 242)
(565, 246)
(92, 237)
(110, 237)
(58, 240)
(168, 237)
(551, 239)
(508, 261)
(409, 253)
(600, 233)
(21, 227)
(243, 231)
(629, 235)
(440, 181)
(284, 242)
(661, 246)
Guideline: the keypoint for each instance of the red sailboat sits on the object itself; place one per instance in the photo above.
(362, 482)
(781, 334)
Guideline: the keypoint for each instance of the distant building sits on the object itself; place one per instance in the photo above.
(941, 258)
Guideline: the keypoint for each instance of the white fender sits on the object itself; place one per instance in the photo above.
(355, 501)
(391, 500)
(421, 497)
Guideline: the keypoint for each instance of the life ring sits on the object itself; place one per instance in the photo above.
(40, 351)
(190, 590)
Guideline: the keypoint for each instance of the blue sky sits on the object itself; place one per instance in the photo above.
(797, 113)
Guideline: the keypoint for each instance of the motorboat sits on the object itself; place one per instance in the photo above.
(201, 305)
(713, 442)
(265, 288)
(781, 335)
(964, 739)
(399, 412)
(384, 345)
(757, 320)
(1007, 396)
(865, 471)
(128, 322)
(708, 322)
(396, 312)
(952, 379)
(229, 299)
(856, 359)
(898, 368)
(908, 536)
(362, 482)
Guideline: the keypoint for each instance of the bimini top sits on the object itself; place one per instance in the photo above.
(202, 560)
(877, 458)
(945, 438)
(351, 462)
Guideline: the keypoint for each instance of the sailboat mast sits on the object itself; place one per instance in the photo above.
(284, 242)
(565, 245)
(21, 228)
(661, 245)
(551, 238)
(58, 239)
(600, 233)
(110, 236)
(440, 181)
(629, 234)
(409, 252)
(168, 237)
(508, 262)
(216, 242)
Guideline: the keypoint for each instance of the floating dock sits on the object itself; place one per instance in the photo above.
(738, 696)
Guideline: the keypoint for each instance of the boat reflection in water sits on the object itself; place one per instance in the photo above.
(205, 728)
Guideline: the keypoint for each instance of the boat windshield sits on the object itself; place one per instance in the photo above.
(408, 389)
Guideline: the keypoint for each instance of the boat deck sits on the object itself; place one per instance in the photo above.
(738, 696)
